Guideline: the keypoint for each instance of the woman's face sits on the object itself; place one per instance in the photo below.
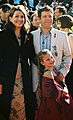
(48, 61)
(18, 19)
(58, 24)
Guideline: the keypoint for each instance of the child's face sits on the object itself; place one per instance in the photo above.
(48, 61)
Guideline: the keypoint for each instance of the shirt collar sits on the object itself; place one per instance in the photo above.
(41, 32)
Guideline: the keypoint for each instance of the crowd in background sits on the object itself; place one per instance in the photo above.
(67, 8)
(33, 3)
(23, 35)
(32, 6)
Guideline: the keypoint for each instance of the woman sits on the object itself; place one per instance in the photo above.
(54, 104)
(15, 81)
(64, 23)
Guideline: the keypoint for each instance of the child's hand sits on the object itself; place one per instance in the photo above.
(1, 87)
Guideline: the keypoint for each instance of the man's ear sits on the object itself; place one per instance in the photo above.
(42, 63)
(61, 13)
(10, 18)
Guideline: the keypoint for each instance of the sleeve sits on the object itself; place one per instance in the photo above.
(48, 88)
(30, 49)
(66, 57)
(71, 43)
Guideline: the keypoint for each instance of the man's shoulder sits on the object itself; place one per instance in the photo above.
(35, 31)
(58, 31)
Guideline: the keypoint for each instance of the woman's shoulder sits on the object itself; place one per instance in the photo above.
(70, 35)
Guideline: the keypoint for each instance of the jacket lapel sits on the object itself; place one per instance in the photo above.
(53, 39)
(36, 40)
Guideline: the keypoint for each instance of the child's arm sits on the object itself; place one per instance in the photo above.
(48, 74)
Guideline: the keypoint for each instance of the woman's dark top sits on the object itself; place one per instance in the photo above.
(10, 52)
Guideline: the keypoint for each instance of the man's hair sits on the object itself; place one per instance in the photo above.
(34, 14)
(6, 7)
(61, 9)
(45, 8)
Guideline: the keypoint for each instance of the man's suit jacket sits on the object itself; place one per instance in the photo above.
(60, 45)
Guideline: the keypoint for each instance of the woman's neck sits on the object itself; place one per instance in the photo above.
(17, 32)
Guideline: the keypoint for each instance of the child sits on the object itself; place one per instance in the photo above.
(53, 105)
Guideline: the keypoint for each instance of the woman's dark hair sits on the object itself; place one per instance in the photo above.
(66, 21)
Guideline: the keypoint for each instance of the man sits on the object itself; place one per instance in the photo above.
(56, 41)
(35, 23)
(60, 10)
(4, 14)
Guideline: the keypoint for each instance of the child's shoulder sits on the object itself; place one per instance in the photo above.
(48, 74)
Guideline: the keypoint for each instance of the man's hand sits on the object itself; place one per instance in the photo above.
(59, 77)
(1, 87)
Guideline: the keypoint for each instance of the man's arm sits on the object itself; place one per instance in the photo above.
(66, 57)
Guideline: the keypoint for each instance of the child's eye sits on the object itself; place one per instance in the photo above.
(22, 16)
(16, 16)
(45, 16)
(48, 59)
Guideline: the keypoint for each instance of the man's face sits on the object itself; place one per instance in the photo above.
(57, 13)
(36, 21)
(46, 19)
(4, 16)
(0, 12)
